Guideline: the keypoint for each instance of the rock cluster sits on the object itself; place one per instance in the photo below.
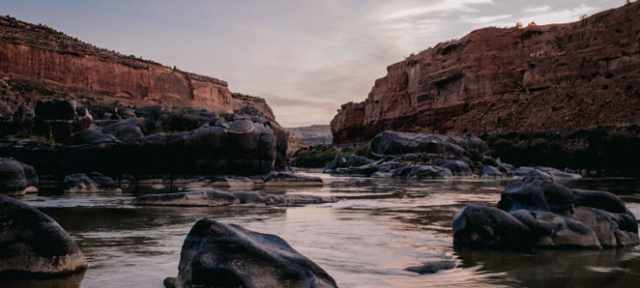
(197, 142)
(229, 256)
(536, 212)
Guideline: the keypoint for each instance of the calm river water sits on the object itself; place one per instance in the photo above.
(362, 242)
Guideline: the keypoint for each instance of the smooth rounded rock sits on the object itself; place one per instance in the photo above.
(33, 244)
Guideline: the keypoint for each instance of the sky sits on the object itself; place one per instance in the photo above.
(305, 57)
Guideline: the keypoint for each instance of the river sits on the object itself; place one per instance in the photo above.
(363, 242)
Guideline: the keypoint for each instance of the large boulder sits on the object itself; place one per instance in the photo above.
(125, 129)
(89, 183)
(537, 212)
(365, 171)
(17, 178)
(33, 243)
(227, 255)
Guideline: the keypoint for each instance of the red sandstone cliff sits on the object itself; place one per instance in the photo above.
(551, 77)
(40, 58)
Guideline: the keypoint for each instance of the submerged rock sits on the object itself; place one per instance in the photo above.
(283, 179)
(33, 243)
(536, 212)
(491, 172)
(229, 256)
(89, 183)
(429, 172)
(212, 197)
(17, 178)
(234, 183)
(433, 267)
(209, 197)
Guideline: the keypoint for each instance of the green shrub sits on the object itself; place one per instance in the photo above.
(364, 150)
(101, 104)
(222, 113)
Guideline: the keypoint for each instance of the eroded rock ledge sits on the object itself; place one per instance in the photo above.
(536, 212)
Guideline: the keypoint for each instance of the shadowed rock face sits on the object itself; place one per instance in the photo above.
(536, 212)
(535, 78)
(221, 255)
(33, 243)
(395, 143)
(242, 147)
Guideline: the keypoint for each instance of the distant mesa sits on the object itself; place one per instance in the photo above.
(313, 135)
(541, 77)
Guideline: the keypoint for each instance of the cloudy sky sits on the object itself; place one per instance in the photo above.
(305, 57)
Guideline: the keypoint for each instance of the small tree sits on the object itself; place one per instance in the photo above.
(519, 25)
(533, 23)
(583, 16)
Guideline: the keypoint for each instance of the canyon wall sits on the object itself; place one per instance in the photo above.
(251, 105)
(552, 77)
(47, 60)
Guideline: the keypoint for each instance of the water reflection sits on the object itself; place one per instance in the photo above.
(380, 227)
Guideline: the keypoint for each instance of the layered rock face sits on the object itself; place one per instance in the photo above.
(250, 105)
(551, 77)
(47, 60)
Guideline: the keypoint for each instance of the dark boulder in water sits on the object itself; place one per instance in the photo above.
(31, 243)
(537, 212)
(433, 267)
(17, 178)
(229, 256)
(89, 183)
